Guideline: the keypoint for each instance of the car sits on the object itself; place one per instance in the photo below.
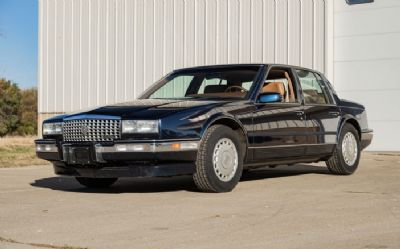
(211, 122)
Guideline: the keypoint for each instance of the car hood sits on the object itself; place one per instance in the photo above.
(145, 108)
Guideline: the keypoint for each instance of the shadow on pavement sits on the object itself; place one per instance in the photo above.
(171, 184)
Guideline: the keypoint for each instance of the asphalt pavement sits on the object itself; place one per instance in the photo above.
(301, 206)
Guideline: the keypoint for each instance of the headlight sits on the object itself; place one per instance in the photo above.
(52, 128)
(139, 126)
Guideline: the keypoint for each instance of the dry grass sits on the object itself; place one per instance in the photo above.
(18, 151)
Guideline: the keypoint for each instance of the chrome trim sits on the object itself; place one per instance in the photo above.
(147, 147)
(91, 130)
(91, 116)
(288, 145)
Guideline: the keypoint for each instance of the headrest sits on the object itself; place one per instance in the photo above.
(215, 88)
(274, 87)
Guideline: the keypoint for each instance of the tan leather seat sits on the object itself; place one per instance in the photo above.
(274, 87)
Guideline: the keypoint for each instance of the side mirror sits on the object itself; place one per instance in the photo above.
(269, 98)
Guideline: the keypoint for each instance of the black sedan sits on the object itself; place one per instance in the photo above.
(211, 122)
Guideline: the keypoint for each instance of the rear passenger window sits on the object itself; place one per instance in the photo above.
(314, 91)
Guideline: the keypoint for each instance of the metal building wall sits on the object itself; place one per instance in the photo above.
(95, 52)
(366, 61)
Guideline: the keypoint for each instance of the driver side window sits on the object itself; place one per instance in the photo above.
(280, 80)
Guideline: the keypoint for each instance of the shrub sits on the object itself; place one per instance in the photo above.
(10, 102)
(18, 109)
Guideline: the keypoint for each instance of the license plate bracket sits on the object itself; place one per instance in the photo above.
(78, 155)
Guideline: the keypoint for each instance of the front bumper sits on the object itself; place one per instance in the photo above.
(366, 138)
(120, 159)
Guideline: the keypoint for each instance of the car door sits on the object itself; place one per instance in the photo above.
(279, 129)
(321, 113)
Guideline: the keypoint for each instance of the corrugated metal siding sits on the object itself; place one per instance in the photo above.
(95, 52)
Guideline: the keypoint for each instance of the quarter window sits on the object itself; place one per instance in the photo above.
(314, 91)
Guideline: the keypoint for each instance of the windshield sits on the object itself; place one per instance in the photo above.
(206, 83)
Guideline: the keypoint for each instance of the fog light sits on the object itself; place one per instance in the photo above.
(46, 148)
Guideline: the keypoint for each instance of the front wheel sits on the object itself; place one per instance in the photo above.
(219, 163)
(96, 182)
(346, 157)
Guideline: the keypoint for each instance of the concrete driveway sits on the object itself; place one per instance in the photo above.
(288, 207)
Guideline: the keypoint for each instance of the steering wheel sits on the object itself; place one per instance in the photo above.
(241, 89)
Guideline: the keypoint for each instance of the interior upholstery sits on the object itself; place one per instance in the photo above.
(274, 87)
(276, 74)
(290, 97)
(312, 96)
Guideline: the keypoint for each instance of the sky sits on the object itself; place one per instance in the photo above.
(19, 41)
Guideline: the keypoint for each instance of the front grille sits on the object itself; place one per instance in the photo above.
(91, 130)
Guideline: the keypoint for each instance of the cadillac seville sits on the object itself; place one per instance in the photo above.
(211, 122)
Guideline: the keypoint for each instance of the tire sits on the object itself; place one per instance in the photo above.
(96, 182)
(218, 167)
(340, 163)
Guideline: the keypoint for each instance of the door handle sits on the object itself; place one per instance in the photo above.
(335, 114)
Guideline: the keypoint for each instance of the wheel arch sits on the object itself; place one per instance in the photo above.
(231, 122)
(348, 119)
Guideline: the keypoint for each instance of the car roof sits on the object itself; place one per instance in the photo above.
(240, 66)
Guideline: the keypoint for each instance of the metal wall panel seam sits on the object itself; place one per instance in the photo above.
(300, 32)
(125, 54)
(98, 56)
(195, 32)
(54, 107)
(173, 35)
(80, 54)
(72, 54)
(39, 59)
(217, 34)
(262, 28)
(90, 55)
(251, 30)
(47, 57)
(164, 40)
(324, 41)
(63, 56)
(239, 30)
(275, 31)
(144, 45)
(228, 26)
(205, 33)
(287, 28)
(313, 33)
(134, 48)
(107, 52)
(116, 57)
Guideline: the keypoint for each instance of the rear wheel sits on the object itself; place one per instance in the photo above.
(96, 182)
(219, 161)
(346, 157)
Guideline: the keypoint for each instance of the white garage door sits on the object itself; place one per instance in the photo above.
(367, 61)
(95, 52)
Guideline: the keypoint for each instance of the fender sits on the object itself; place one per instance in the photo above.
(343, 120)
(218, 116)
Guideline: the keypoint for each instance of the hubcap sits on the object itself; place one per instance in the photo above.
(225, 159)
(349, 149)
